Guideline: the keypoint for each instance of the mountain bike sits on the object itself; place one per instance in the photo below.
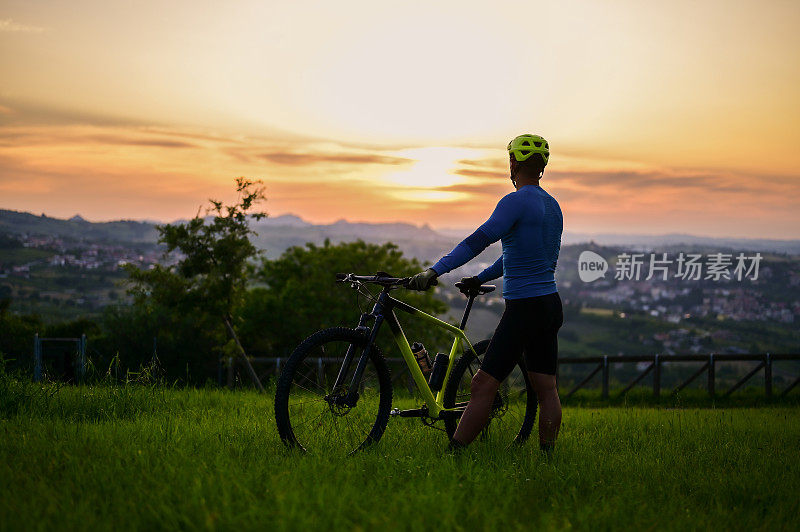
(317, 410)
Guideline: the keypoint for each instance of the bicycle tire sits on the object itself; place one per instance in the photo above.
(457, 390)
(294, 395)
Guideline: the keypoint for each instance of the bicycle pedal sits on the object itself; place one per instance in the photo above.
(394, 412)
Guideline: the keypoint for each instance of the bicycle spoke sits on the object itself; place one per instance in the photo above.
(309, 420)
(319, 418)
(509, 418)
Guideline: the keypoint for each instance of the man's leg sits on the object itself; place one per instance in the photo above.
(549, 408)
(483, 390)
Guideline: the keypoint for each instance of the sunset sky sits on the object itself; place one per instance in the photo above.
(662, 117)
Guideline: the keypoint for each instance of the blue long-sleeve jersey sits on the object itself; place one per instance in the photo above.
(529, 222)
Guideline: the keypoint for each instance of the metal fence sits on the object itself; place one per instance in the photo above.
(271, 366)
(601, 365)
(74, 364)
(708, 365)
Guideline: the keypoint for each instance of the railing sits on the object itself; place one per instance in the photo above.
(601, 365)
(272, 366)
(80, 355)
(656, 364)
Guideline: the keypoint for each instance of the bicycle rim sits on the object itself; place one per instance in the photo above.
(308, 413)
(513, 411)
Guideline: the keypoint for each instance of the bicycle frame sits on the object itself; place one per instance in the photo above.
(384, 311)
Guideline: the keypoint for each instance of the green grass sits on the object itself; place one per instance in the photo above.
(140, 457)
(18, 256)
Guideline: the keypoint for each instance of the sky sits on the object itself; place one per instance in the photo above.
(679, 117)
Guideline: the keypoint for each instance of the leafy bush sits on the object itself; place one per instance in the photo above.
(301, 297)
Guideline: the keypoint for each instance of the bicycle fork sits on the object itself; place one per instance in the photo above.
(352, 394)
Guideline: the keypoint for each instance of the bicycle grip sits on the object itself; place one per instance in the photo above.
(341, 276)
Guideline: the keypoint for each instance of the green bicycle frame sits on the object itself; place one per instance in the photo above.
(384, 311)
(459, 341)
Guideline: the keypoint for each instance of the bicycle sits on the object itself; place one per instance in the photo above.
(316, 412)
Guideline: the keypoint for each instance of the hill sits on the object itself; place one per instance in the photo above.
(278, 233)
(274, 234)
(23, 223)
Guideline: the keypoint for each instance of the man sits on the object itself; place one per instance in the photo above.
(529, 222)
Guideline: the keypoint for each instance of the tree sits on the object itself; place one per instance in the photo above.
(164, 306)
(301, 296)
(16, 334)
(211, 276)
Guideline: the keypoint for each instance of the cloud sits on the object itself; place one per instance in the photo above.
(305, 159)
(10, 25)
(486, 168)
(29, 113)
(488, 162)
(641, 180)
(493, 188)
(622, 178)
(132, 141)
(712, 183)
(468, 172)
(140, 171)
(84, 136)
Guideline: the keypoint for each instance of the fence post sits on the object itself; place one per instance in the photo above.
(711, 375)
(82, 360)
(37, 358)
(605, 376)
(657, 375)
(230, 372)
(768, 376)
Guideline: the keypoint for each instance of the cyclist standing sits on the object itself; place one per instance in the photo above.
(529, 223)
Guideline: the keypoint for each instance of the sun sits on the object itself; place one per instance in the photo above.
(433, 167)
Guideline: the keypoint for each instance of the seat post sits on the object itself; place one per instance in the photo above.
(466, 311)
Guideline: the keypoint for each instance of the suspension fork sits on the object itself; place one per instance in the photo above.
(352, 394)
(348, 356)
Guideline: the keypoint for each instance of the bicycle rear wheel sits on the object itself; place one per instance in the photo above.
(308, 410)
(514, 410)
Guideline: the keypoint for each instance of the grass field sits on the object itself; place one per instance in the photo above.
(135, 457)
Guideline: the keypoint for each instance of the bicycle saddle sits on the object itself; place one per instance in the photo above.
(483, 289)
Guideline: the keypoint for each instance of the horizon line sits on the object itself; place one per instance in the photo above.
(419, 226)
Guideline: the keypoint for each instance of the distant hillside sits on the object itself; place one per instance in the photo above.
(278, 233)
(23, 223)
(667, 241)
(675, 240)
(274, 234)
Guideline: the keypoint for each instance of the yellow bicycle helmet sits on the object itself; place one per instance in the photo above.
(523, 146)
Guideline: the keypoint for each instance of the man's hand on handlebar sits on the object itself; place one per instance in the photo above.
(423, 280)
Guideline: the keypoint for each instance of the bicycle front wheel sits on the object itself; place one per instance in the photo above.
(514, 409)
(309, 410)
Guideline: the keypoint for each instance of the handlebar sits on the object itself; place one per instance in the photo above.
(380, 278)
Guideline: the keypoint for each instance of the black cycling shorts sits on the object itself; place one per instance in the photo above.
(528, 326)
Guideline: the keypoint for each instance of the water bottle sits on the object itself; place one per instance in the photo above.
(422, 357)
(439, 370)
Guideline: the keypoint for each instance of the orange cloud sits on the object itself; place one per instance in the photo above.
(112, 172)
(11, 25)
(311, 158)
